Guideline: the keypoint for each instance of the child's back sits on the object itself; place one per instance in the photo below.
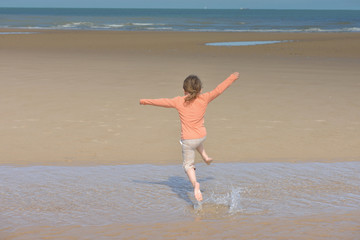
(192, 112)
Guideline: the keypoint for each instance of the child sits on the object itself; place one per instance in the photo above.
(191, 108)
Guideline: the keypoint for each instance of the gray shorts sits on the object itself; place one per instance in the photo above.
(188, 151)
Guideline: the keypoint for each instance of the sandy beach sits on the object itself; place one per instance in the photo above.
(72, 97)
(81, 159)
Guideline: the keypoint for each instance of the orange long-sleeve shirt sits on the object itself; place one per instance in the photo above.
(191, 114)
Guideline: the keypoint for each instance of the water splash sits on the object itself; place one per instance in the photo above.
(198, 206)
(235, 198)
(220, 203)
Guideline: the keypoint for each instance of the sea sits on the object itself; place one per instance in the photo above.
(194, 20)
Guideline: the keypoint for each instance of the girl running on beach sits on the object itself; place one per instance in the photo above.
(191, 108)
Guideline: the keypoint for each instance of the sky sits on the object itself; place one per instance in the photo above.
(221, 4)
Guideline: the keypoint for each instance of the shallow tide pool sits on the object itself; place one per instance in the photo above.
(147, 193)
(243, 43)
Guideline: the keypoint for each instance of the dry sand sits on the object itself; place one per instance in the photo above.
(72, 97)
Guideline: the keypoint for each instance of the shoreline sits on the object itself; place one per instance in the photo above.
(70, 98)
(307, 44)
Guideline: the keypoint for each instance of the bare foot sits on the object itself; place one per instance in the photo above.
(197, 192)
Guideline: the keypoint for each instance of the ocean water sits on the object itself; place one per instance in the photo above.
(237, 197)
(241, 20)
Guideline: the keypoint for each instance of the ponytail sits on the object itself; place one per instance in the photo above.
(192, 86)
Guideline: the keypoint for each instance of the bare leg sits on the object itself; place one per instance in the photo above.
(192, 177)
(203, 154)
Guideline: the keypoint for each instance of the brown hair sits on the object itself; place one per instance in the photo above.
(192, 85)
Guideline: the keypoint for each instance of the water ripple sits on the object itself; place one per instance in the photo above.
(49, 195)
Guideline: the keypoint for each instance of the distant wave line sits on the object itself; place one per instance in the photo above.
(163, 27)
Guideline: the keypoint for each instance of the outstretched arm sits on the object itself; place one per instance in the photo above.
(222, 86)
(161, 102)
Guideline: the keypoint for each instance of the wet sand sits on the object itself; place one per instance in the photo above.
(342, 226)
(241, 201)
(72, 97)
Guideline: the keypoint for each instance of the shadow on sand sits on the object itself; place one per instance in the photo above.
(179, 185)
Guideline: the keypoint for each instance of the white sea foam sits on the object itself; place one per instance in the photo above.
(354, 29)
(143, 24)
(314, 30)
(76, 25)
(128, 26)
(84, 25)
(115, 25)
(159, 28)
(294, 30)
(203, 30)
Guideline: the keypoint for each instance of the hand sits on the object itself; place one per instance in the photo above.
(236, 74)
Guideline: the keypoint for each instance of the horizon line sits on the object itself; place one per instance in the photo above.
(204, 8)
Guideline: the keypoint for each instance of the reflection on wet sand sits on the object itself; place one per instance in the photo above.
(238, 198)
